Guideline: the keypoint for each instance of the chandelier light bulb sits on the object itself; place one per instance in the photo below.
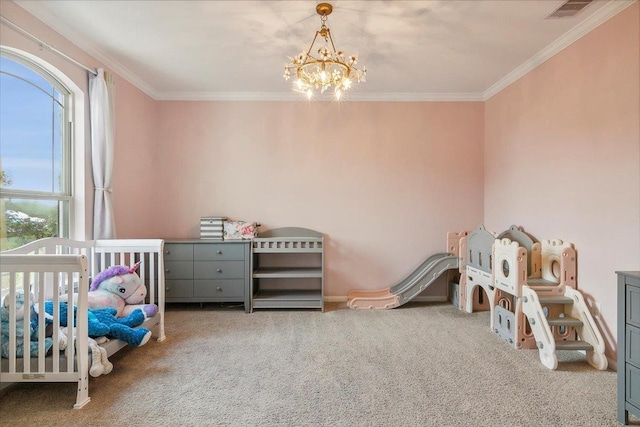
(330, 69)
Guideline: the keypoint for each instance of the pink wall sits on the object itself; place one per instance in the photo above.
(136, 163)
(562, 156)
(383, 181)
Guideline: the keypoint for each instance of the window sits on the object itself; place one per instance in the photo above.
(35, 153)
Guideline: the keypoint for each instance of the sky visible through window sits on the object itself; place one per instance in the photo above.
(31, 117)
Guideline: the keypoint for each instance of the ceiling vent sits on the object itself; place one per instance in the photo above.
(570, 8)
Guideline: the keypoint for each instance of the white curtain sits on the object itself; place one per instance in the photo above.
(102, 139)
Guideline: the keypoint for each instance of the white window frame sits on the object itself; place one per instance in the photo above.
(74, 140)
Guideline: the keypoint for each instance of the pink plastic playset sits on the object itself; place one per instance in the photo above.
(529, 287)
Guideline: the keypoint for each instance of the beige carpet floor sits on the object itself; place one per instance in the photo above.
(418, 365)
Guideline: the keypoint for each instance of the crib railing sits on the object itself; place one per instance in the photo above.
(56, 268)
(105, 253)
(36, 276)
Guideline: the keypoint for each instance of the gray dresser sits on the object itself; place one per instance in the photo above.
(208, 271)
(628, 344)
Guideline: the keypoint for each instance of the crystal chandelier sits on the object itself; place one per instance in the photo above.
(330, 68)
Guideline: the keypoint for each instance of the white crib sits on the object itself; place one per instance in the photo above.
(52, 267)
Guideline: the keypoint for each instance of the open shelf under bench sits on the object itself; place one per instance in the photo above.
(287, 272)
(274, 298)
(288, 269)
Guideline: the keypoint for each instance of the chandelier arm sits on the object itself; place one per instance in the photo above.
(333, 46)
(300, 67)
(312, 43)
(347, 71)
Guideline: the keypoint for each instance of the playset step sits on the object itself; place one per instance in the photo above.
(576, 315)
(564, 321)
(573, 345)
(545, 300)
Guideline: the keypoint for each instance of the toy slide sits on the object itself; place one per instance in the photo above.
(406, 289)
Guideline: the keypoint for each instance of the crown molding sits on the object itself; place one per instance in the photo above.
(294, 96)
(228, 96)
(416, 97)
(602, 15)
(83, 43)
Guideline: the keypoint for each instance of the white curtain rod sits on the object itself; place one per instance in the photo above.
(48, 46)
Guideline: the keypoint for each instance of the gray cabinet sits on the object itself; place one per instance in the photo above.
(628, 344)
(288, 269)
(206, 271)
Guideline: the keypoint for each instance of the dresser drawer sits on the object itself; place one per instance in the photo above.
(635, 281)
(633, 385)
(178, 270)
(632, 345)
(632, 303)
(219, 289)
(178, 289)
(178, 252)
(219, 252)
(218, 270)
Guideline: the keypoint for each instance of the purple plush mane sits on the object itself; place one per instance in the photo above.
(116, 270)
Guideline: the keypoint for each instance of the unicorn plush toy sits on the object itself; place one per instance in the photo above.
(121, 288)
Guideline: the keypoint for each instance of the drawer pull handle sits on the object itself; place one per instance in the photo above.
(219, 270)
(167, 270)
(218, 288)
(219, 252)
(167, 252)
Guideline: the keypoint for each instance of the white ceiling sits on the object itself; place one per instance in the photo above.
(413, 50)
